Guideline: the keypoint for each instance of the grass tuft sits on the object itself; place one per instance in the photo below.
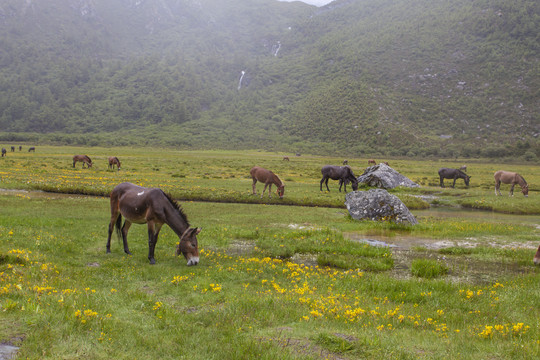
(427, 268)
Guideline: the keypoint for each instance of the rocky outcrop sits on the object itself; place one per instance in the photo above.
(378, 205)
(383, 176)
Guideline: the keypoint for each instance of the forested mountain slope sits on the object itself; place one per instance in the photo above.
(399, 77)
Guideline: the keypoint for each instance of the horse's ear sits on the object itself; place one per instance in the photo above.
(196, 231)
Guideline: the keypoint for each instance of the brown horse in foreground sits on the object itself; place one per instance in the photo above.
(268, 178)
(82, 158)
(507, 177)
(113, 160)
(536, 259)
(151, 206)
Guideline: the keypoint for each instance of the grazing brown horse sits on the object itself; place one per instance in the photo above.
(153, 207)
(82, 158)
(285, 158)
(13, 149)
(268, 178)
(113, 160)
(371, 161)
(507, 177)
(342, 173)
(536, 259)
(32, 149)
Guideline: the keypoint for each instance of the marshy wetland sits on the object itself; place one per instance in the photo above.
(294, 278)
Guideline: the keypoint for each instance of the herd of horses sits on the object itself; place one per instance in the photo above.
(85, 159)
(30, 149)
(153, 207)
(501, 176)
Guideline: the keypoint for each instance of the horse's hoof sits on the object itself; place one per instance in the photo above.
(152, 262)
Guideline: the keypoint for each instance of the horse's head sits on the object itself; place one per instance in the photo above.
(525, 190)
(466, 179)
(188, 246)
(281, 191)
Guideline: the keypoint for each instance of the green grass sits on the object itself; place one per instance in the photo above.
(223, 176)
(273, 282)
(429, 269)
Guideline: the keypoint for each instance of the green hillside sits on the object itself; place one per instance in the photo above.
(400, 78)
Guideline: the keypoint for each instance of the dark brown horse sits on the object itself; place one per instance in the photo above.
(371, 162)
(84, 159)
(446, 173)
(113, 160)
(286, 158)
(342, 173)
(4, 152)
(268, 178)
(32, 149)
(536, 259)
(507, 177)
(153, 207)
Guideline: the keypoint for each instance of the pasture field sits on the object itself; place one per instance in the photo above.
(274, 282)
(223, 176)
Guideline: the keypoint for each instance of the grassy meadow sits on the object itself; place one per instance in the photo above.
(274, 282)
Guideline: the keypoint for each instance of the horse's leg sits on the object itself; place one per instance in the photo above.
(326, 183)
(322, 180)
(125, 229)
(498, 187)
(115, 216)
(153, 232)
(512, 189)
(265, 186)
(253, 186)
(454, 184)
(441, 181)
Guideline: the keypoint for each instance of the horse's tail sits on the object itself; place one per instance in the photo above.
(118, 225)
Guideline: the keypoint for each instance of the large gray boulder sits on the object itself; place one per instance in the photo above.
(383, 176)
(378, 205)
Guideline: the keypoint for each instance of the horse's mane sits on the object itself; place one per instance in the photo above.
(277, 179)
(176, 206)
(350, 173)
(522, 178)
